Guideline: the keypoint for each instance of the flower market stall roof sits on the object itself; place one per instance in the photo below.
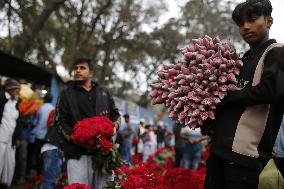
(11, 66)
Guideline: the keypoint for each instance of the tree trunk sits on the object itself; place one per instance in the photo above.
(27, 39)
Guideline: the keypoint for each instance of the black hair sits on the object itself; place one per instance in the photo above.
(84, 60)
(47, 98)
(251, 8)
(126, 115)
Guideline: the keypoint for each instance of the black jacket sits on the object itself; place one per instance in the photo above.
(68, 114)
(269, 91)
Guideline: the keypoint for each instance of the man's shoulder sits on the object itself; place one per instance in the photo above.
(102, 90)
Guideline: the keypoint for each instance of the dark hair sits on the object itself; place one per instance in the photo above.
(47, 98)
(84, 60)
(126, 116)
(250, 8)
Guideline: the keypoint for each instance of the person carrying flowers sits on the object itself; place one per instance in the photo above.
(247, 120)
(83, 99)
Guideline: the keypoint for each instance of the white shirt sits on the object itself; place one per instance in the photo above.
(8, 121)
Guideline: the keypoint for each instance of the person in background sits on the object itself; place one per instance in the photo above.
(179, 144)
(52, 156)
(83, 98)
(140, 130)
(149, 146)
(40, 129)
(8, 121)
(169, 137)
(192, 152)
(125, 138)
(160, 136)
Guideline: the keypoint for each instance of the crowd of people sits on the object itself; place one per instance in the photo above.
(242, 135)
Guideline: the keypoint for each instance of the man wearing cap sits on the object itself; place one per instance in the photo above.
(8, 117)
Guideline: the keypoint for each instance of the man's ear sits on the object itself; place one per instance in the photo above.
(269, 20)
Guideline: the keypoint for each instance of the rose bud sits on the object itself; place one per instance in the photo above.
(185, 70)
(222, 79)
(223, 88)
(165, 94)
(236, 71)
(154, 93)
(232, 87)
(221, 94)
(203, 116)
(191, 48)
(212, 78)
(195, 113)
(206, 102)
(231, 77)
(211, 115)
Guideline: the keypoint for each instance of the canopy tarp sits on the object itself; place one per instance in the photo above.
(11, 66)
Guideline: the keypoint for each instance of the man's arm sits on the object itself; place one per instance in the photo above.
(61, 117)
(113, 112)
(263, 93)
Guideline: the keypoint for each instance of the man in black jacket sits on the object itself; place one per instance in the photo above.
(82, 99)
(248, 119)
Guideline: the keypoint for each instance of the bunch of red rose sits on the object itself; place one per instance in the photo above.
(192, 88)
(95, 132)
(76, 186)
(143, 176)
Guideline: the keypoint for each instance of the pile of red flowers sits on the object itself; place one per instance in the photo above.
(158, 173)
(76, 186)
(192, 88)
(95, 131)
(164, 157)
(62, 181)
(143, 176)
(148, 176)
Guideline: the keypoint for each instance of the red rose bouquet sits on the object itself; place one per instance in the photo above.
(192, 88)
(96, 133)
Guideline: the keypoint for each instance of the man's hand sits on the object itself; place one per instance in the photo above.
(115, 128)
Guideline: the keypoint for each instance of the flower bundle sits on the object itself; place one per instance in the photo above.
(192, 88)
(95, 134)
(147, 176)
(29, 106)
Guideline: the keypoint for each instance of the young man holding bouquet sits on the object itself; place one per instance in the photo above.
(247, 120)
(83, 99)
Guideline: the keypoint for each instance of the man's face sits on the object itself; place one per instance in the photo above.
(126, 119)
(255, 29)
(82, 72)
(14, 93)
